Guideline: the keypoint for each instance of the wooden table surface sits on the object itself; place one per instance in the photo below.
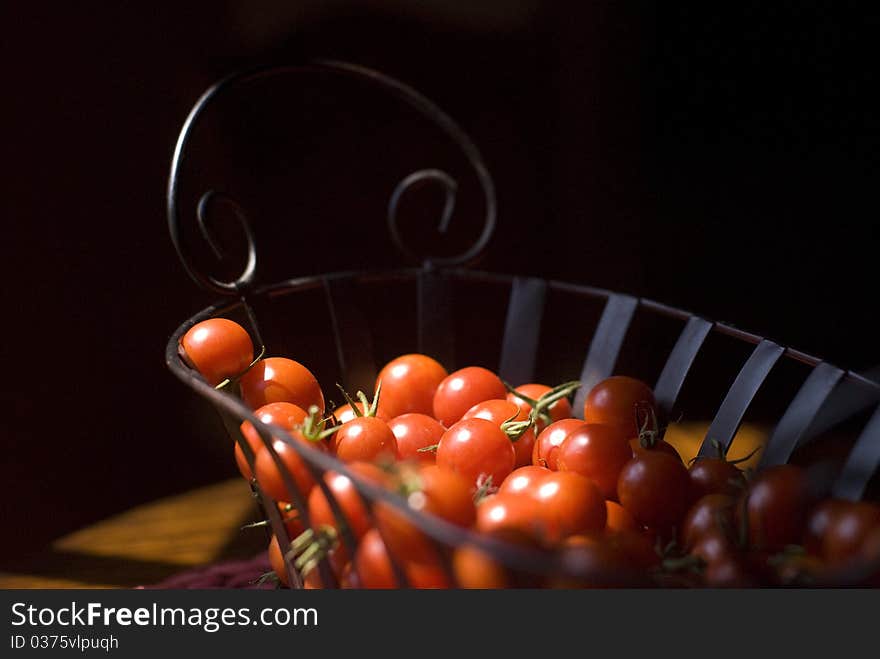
(154, 541)
(149, 543)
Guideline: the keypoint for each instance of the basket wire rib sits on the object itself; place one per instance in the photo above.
(795, 423)
(679, 363)
(740, 395)
(817, 406)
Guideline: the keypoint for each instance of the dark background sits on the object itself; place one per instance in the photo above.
(719, 159)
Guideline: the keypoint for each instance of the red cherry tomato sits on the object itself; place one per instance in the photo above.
(372, 564)
(281, 380)
(597, 452)
(714, 547)
(344, 413)
(347, 496)
(476, 569)
(217, 348)
(283, 415)
(618, 520)
(847, 530)
(561, 409)
(712, 512)
(276, 560)
(434, 491)
(269, 477)
(616, 400)
(476, 448)
(715, 476)
(366, 439)
(523, 479)
(499, 411)
(569, 504)
(546, 449)
(414, 431)
(409, 383)
(653, 488)
(778, 503)
(818, 522)
(510, 515)
(463, 389)
(658, 445)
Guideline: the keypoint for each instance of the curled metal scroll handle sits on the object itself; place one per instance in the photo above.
(246, 279)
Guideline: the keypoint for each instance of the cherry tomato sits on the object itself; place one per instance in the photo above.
(347, 497)
(561, 409)
(715, 476)
(426, 576)
(712, 512)
(617, 519)
(616, 400)
(499, 411)
(433, 490)
(777, 505)
(715, 546)
(511, 515)
(476, 569)
(635, 546)
(414, 431)
(730, 572)
(409, 383)
(276, 560)
(281, 380)
(283, 415)
(659, 445)
(569, 504)
(269, 477)
(818, 521)
(366, 439)
(653, 488)
(344, 413)
(337, 559)
(524, 479)
(372, 564)
(463, 389)
(592, 562)
(546, 449)
(217, 348)
(597, 452)
(476, 448)
(847, 530)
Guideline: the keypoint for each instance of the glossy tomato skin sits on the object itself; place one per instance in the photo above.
(409, 383)
(281, 380)
(659, 445)
(616, 400)
(715, 476)
(546, 449)
(523, 480)
(436, 491)
(569, 504)
(511, 515)
(283, 415)
(463, 389)
(276, 560)
(712, 512)
(365, 439)
(847, 531)
(778, 502)
(347, 497)
(372, 563)
(218, 348)
(476, 448)
(618, 519)
(414, 431)
(653, 488)
(498, 411)
(270, 478)
(344, 413)
(598, 452)
(476, 569)
(561, 409)
(818, 521)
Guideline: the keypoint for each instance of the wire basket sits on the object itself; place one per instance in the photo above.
(725, 372)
